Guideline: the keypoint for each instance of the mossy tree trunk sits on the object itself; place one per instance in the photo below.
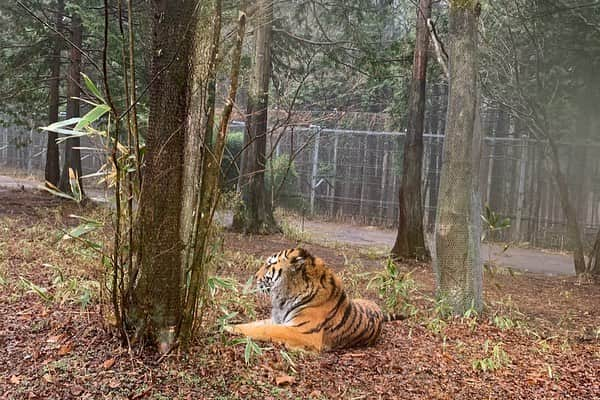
(410, 241)
(256, 212)
(155, 304)
(457, 266)
(180, 186)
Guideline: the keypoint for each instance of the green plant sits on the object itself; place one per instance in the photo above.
(470, 317)
(251, 349)
(282, 180)
(496, 359)
(395, 288)
(502, 322)
(441, 310)
(292, 232)
(493, 223)
(287, 357)
(64, 290)
(436, 325)
(352, 277)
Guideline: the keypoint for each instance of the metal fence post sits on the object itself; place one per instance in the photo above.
(522, 179)
(315, 170)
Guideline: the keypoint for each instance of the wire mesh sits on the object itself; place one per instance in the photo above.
(354, 175)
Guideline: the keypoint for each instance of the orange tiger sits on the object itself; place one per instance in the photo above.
(310, 308)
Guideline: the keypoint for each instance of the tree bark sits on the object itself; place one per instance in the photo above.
(410, 241)
(52, 169)
(458, 270)
(155, 307)
(256, 213)
(72, 156)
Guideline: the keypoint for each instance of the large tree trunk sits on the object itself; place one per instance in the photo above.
(180, 187)
(457, 267)
(72, 156)
(156, 301)
(52, 169)
(256, 213)
(410, 241)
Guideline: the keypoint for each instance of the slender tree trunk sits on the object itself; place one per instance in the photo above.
(72, 156)
(458, 270)
(256, 214)
(410, 241)
(155, 308)
(52, 169)
(594, 260)
(573, 230)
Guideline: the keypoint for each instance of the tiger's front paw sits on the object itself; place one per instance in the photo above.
(231, 329)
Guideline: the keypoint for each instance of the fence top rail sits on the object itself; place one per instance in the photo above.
(303, 127)
(438, 136)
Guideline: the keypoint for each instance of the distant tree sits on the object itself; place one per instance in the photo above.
(456, 264)
(72, 154)
(256, 212)
(594, 259)
(52, 168)
(25, 51)
(410, 240)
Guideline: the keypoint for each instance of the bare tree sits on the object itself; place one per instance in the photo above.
(456, 264)
(410, 241)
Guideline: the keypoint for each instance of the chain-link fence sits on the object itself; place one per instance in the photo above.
(355, 175)
(24, 150)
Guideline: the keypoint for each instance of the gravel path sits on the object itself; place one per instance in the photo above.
(532, 260)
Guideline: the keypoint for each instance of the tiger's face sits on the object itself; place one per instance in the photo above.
(279, 267)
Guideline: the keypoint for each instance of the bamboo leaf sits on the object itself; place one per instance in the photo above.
(56, 192)
(60, 124)
(71, 135)
(92, 116)
(91, 87)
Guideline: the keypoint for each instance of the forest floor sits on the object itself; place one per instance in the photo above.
(538, 338)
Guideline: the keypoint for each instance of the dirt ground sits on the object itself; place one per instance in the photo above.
(539, 335)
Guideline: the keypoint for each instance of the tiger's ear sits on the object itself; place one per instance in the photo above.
(300, 258)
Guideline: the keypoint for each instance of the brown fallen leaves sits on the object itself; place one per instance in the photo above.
(56, 351)
(283, 380)
(108, 364)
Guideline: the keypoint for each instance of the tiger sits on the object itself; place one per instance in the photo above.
(310, 309)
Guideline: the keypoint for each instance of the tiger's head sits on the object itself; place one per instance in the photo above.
(281, 267)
